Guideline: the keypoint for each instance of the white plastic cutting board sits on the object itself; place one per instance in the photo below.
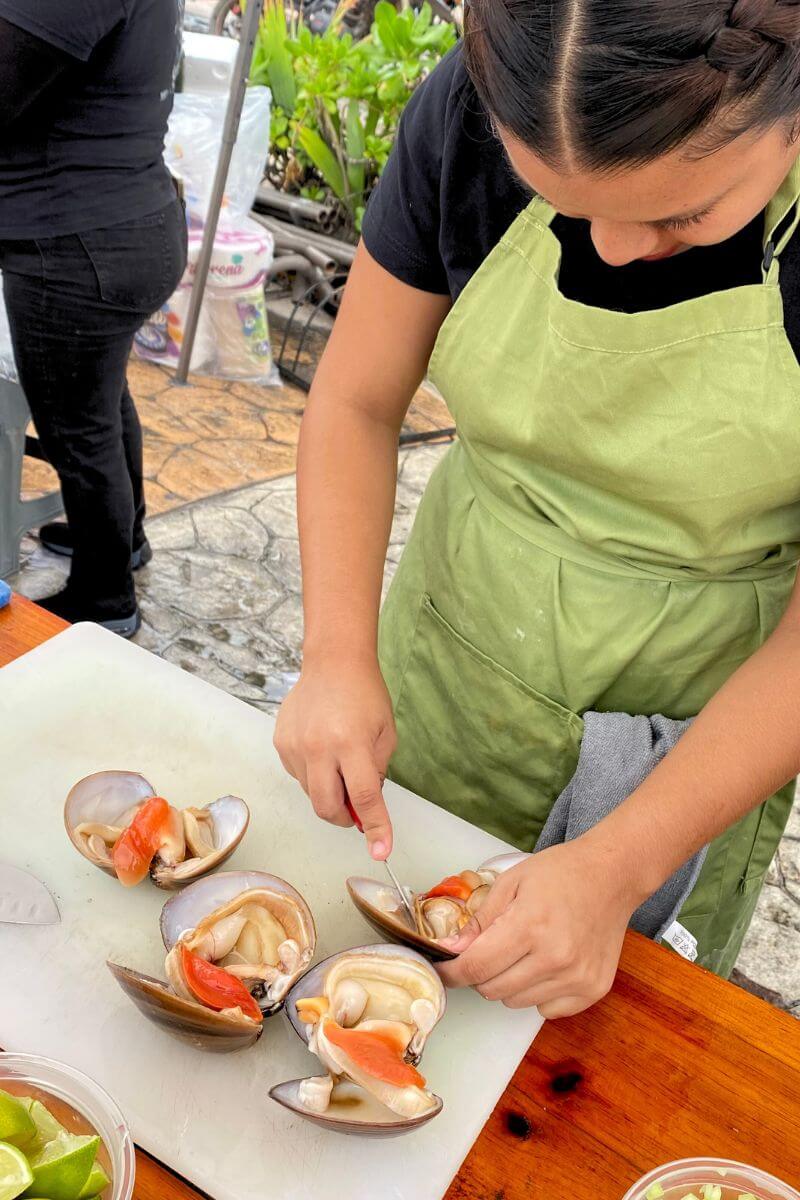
(87, 701)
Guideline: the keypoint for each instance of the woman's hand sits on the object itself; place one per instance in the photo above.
(549, 934)
(336, 728)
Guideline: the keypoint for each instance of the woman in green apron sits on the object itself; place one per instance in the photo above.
(587, 234)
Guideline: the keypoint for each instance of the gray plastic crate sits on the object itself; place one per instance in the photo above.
(17, 516)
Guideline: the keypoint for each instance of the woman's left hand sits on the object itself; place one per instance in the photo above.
(549, 933)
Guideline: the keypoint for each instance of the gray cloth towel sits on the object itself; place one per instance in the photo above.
(617, 754)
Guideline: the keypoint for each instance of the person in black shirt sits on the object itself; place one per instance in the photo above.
(588, 233)
(92, 240)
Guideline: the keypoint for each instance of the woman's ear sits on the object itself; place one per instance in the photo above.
(794, 130)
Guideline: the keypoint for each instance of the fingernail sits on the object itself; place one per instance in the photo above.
(378, 849)
(450, 942)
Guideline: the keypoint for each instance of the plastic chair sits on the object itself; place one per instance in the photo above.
(17, 516)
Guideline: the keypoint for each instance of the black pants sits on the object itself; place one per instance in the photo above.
(74, 304)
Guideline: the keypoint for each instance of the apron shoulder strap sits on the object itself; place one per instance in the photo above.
(782, 220)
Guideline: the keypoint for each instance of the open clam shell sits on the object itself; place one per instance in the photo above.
(224, 919)
(190, 909)
(382, 908)
(187, 1020)
(351, 1108)
(351, 1111)
(504, 862)
(380, 905)
(108, 800)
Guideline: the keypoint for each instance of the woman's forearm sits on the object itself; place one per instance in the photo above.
(347, 474)
(742, 747)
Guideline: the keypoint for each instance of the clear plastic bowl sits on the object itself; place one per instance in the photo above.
(89, 1099)
(691, 1173)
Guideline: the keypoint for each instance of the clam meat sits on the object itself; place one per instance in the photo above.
(367, 1014)
(116, 821)
(440, 912)
(261, 933)
(236, 942)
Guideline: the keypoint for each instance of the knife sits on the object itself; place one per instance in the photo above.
(398, 886)
(24, 900)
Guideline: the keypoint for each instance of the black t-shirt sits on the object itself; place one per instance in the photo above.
(448, 195)
(87, 152)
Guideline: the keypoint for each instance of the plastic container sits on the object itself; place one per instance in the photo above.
(8, 367)
(679, 1178)
(208, 63)
(89, 1099)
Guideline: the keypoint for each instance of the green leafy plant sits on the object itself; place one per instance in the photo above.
(337, 102)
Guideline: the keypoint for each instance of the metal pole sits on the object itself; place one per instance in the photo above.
(230, 131)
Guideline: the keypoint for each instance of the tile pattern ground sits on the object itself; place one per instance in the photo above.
(214, 435)
(222, 599)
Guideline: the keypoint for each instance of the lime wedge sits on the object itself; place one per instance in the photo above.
(15, 1172)
(46, 1127)
(15, 1123)
(62, 1167)
(97, 1183)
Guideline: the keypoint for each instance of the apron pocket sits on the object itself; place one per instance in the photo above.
(477, 740)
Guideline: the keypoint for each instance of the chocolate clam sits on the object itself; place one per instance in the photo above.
(366, 1014)
(438, 913)
(117, 822)
(236, 942)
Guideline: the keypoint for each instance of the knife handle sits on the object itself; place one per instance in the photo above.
(356, 819)
(354, 815)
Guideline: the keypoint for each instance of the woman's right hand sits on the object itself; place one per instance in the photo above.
(336, 729)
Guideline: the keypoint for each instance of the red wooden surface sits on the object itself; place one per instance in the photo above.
(674, 1063)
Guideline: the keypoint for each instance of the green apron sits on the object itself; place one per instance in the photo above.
(617, 529)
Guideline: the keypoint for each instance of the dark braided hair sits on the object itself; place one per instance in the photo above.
(603, 84)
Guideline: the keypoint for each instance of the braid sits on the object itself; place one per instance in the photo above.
(754, 36)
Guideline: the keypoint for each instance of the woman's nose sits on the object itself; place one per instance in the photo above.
(618, 243)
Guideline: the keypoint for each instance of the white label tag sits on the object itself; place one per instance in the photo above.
(682, 942)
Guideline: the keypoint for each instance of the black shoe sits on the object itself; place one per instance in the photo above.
(67, 606)
(57, 538)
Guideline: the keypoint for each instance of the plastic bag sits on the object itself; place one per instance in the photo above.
(232, 338)
(8, 367)
(192, 147)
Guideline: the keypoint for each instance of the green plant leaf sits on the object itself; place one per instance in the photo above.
(386, 23)
(324, 160)
(274, 56)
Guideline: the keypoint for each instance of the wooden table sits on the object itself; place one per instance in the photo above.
(674, 1063)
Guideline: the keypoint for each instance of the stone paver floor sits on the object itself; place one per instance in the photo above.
(222, 599)
(213, 435)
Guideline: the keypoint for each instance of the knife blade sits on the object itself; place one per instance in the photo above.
(401, 891)
(24, 900)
